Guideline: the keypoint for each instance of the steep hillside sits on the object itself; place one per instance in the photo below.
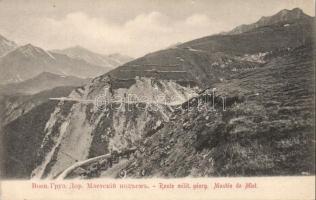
(266, 129)
(99, 130)
(22, 122)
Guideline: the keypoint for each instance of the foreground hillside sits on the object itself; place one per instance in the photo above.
(267, 128)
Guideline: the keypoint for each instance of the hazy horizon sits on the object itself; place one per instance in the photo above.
(132, 28)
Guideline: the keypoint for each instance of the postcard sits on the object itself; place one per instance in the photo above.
(149, 99)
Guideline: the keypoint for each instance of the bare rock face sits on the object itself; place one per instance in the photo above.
(100, 130)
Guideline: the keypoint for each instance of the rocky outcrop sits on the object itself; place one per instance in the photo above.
(100, 130)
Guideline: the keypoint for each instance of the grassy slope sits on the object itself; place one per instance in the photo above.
(266, 134)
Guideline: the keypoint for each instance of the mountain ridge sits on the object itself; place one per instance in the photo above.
(108, 61)
(284, 16)
(209, 59)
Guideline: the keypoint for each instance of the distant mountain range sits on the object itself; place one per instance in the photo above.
(28, 61)
(108, 61)
(19, 63)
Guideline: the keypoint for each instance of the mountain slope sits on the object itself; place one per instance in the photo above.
(284, 17)
(107, 61)
(208, 60)
(29, 61)
(266, 129)
(6, 45)
(41, 82)
(23, 119)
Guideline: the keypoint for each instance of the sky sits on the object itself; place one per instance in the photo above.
(130, 27)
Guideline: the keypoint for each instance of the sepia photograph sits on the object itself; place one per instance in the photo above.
(140, 90)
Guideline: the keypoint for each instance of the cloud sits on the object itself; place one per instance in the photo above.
(144, 33)
(197, 20)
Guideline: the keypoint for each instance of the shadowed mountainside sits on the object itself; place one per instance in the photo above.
(23, 119)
